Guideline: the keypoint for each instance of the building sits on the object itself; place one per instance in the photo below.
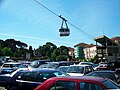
(71, 52)
(116, 39)
(90, 51)
(79, 52)
(108, 50)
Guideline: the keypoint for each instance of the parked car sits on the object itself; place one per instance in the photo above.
(101, 67)
(105, 73)
(77, 83)
(10, 67)
(63, 68)
(4, 78)
(30, 79)
(54, 65)
(79, 70)
(89, 63)
(37, 63)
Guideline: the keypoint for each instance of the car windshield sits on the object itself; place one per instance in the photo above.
(60, 74)
(34, 63)
(75, 69)
(110, 85)
(52, 65)
(11, 65)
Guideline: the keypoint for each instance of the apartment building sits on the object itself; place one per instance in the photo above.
(79, 50)
(90, 51)
(71, 52)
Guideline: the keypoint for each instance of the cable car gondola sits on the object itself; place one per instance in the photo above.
(64, 31)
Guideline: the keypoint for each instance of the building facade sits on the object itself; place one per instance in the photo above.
(79, 50)
(108, 50)
(71, 52)
(90, 51)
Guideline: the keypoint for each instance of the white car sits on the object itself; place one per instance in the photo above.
(79, 70)
(10, 67)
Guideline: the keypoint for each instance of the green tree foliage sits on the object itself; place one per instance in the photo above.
(53, 56)
(1, 52)
(51, 51)
(21, 53)
(17, 49)
(12, 48)
(63, 50)
(31, 51)
(2, 44)
(13, 44)
(7, 51)
(62, 58)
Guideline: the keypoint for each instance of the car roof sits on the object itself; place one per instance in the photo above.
(81, 78)
(40, 70)
(83, 65)
(12, 63)
(104, 71)
(41, 60)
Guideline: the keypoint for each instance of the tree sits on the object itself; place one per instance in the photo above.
(2, 44)
(7, 51)
(64, 50)
(1, 52)
(10, 43)
(62, 58)
(31, 51)
(53, 56)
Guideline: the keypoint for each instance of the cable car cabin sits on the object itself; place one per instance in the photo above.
(64, 31)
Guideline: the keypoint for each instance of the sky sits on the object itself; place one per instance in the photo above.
(31, 23)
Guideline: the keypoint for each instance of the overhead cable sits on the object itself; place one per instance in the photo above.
(63, 19)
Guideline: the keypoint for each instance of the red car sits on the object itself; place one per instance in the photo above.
(77, 83)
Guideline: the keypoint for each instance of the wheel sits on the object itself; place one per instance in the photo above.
(14, 88)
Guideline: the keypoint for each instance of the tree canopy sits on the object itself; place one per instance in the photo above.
(18, 50)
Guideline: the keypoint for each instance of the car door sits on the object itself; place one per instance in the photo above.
(28, 80)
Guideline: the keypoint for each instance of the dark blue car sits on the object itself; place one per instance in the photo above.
(30, 79)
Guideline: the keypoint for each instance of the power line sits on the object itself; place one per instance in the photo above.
(64, 19)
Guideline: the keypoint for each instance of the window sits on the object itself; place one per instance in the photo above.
(28, 76)
(110, 85)
(88, 69)
(90, 86)
(75, 69)
(59, 74)
(64, 85)
(43, 76)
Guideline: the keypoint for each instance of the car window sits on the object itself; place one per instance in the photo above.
(6, 65)
(28, 76)
(109, 75)
(44, 75)
(63, 85)
(60, 74)
(10, 65)
(89, 86)
(75, 69)
(110, 85)
(88, 69)
(14, 65)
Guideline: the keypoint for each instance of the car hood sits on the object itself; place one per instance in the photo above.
(75, 74)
